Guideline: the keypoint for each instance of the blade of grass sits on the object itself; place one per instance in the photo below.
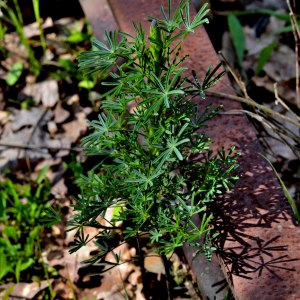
(124, 288)
(19, 13)
(7, 293)
(291, 201)
(45, 269)
(34, 64)
(36, 7)
(238, 38)
(70, 283)
(227, 293)
(264, 56)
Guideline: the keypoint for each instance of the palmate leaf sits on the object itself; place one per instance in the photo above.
(51, 217)
(147, 172)
(208, 81)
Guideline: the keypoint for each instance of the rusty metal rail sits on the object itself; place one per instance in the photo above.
(259, 245)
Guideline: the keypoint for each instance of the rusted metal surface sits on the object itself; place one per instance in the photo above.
(100, 17)
(259, 245)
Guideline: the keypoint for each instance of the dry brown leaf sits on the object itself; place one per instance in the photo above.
(73, 261)
(281, 64)
(11, 42)
(52, 127)
(24, 290)
(56, 41)
(154, 263)
(135, 277)
(70, 23)
(45, 91)
(138, 293)
(286, 90)
(75, 128)
(47, 57)
(60, 114)
(59, 190)
(63, 290)
(39, 138)
(21, 118)
(72, 99)
(32, 30)
(3, 117)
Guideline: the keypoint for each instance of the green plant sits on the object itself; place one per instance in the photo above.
(7, 293)
(147, 169)
(20, 210)
(34, 64)
(36, 8)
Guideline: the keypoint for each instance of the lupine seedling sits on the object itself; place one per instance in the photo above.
(142, 157)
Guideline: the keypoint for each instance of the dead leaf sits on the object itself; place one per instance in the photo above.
(24, 290)
(63, 290)
(52, 127)
(72, 99)
(281, 64)
(3, 117)
(154, 263)
(21, 118)
(56, 41)
(39, 138)
(75, 128)
(45, 91)
(60, 114)
(47, 57)
(32, 30)
(11, 42)
(59, 190)
(138, 293)
(135, 277)
(286, 89)
(73, 261)
(70, 23)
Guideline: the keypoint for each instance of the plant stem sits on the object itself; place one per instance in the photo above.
(168, 276)
(253, 103)
(142, 267)
(44, 267)
(19, 13)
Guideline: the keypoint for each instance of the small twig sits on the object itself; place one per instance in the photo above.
(296, 33)
(253, 103)
(282, 103)
(34, 147)
(236, 76)
(293, 16)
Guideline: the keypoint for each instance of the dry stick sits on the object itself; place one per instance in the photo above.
(282, 103)
(251, 102)
(297, 60)
(296, 38)
(142, 267)
(21, 146)
(293, 17)
(236, 76)
(168, 277)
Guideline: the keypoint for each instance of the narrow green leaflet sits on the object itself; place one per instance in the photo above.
(238, 38)
(14, 73)
(264, 56)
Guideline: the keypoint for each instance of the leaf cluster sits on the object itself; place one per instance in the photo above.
(144, 155)
(21, 208)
